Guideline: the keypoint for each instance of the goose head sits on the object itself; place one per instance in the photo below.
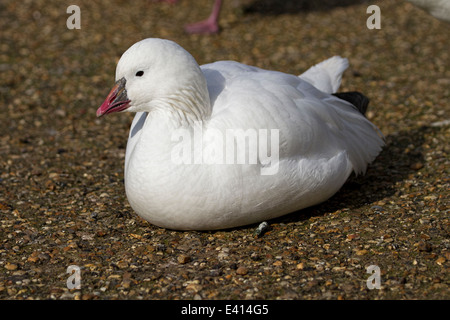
(157, 74)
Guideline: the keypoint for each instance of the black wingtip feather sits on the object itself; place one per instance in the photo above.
(357, 99)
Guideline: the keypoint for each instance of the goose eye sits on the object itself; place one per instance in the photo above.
(139, 73)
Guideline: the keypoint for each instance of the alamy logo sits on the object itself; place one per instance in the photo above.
(374, 281)
(230, 146)
(74, 20)
(374, 21)
(74, 280)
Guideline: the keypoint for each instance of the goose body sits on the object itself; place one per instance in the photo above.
(226, 144)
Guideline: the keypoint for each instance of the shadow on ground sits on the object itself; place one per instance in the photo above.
(398, 160)
(276, 7)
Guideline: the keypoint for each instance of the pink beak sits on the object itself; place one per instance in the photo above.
(116, 101)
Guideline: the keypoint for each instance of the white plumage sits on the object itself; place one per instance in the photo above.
(439, 9)
(321, 138)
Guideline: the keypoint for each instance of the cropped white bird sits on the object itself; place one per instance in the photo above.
(439, 9)
(226, 144)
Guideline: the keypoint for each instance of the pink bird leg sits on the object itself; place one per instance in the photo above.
(210, 25)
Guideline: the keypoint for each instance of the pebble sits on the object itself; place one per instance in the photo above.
(424, 246)
(277, 263)
(361, 252)
(182, 259)
(126, 280)
(241, 271)
(416, 166)
(377, 209)
(122, 264)
(194, 286)
(261, 229)
(440, 260)
(67, 295)
(11, 266)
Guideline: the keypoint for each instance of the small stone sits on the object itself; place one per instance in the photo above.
(425, 236)
(67, 295)
(424, 246)
(87, 296)
(122, 264)
(447, 255)
(261, 229)
(182, 259)
(352, 236)
(50, 185)
(416, 166)
(194, 286)
(53, 175)
(126, 280)
(361, 252)
(377, 209)
(34, 257)
(87, 236)
(440, 260)
(10, 266)
(278, 263)
(241, 271)
(44, 256)
(100, 233)
(223, 254)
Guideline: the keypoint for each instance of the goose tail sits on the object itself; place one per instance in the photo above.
(326, 75)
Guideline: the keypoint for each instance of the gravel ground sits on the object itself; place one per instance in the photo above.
(62, 198)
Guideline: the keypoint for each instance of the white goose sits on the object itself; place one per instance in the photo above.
(314, 139)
